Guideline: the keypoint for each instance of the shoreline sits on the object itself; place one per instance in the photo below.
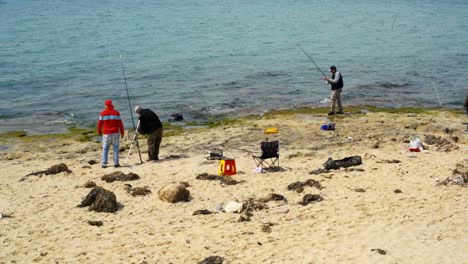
(387, 210)
(218, 118)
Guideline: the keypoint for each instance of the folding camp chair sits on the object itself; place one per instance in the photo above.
(269, 159)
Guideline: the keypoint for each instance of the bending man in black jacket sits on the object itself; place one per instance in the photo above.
(150, 125)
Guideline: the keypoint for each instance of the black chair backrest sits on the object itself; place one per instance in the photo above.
(270, 149)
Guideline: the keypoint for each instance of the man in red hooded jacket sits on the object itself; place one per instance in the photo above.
(110, 126)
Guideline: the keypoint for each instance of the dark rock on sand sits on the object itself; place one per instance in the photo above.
(173, 193)
(120, 176)
(176, 157)
(273, 197)
(243, 218)
(3, 215)
(100, 200)
(212, 260)
(389, 161)
(318, 171)
(89, 184)
(309, 198)
(176, 117)
(380, 251)
(296, 185)
(376, 144)
(355, 169)
(95, 223)
(137, 191)
(397, 191)
(266, 228)
(202, 212)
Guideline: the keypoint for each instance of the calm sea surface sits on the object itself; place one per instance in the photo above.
(60, 59)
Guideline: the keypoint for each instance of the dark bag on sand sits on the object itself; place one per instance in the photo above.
(331, 164)
(215, 156)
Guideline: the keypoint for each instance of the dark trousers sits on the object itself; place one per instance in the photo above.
(154, 141)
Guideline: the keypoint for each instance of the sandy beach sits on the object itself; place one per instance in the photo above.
(387, 210)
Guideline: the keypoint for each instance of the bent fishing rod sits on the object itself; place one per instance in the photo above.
(131, 111)
(310, 58)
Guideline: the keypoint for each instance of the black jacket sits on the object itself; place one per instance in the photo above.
(339, 84)
(149, 122)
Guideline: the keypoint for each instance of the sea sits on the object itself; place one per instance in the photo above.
(208, 59)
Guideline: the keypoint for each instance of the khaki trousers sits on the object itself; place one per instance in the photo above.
(336, 99)
(154, 141)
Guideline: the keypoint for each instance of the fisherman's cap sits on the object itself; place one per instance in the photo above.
(108, 103)
(332, 67)
(137, 109)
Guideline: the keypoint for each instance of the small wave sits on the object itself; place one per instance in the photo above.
(384, 85)
(292, 92)
(233, 84)
(151, 77)
(62, 122)
(266, 74)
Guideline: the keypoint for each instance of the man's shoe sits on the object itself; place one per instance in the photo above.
(340, 113)
(116, 165)
(103, 166)
(331, 113)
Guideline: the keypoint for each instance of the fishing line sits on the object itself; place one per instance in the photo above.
(131, 111)
(437, 93)
(318, 68)
(310, 58)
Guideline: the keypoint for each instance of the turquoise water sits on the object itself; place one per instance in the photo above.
(59, 60)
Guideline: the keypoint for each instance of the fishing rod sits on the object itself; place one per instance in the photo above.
(310, 58)
(135, 137)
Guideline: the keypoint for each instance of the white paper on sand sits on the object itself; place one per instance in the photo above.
(233, 207)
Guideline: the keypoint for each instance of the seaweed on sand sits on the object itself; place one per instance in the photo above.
(226, 180)
(52, 170)
(100, 200)
(299, 186)
(212, 260)
(120, 176)
(309, 198)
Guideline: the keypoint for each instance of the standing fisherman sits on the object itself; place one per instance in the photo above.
(110, 127)
(150, 125)
(336, 82)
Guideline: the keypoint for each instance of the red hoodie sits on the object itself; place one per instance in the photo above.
(110, 121)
